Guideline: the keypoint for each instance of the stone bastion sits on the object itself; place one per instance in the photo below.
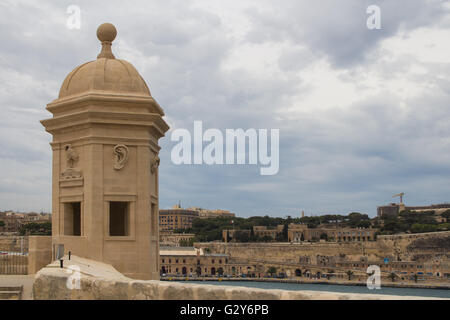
(82, 279)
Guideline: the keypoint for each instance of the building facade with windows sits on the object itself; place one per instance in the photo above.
(196, 262)
(171, 239)
(206, 213)
(176, 218)
(301, 232)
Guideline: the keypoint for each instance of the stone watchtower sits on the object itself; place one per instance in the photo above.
(105, 128)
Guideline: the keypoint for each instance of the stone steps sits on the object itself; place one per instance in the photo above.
(11, 293)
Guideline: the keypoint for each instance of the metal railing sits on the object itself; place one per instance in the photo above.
(13, 255)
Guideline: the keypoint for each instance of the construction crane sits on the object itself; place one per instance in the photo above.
(399, 195)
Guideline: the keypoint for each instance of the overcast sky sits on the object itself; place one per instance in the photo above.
(363, 114)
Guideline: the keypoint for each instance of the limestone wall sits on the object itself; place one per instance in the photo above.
(291, 252)
(14, 243)
(96, 280)
(413, 236)
(405, 247)
(438, 241)
(40, 253)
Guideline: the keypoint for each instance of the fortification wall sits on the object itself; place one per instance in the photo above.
(101, 281)
(407, 241)
(290, 252)
(405, 247)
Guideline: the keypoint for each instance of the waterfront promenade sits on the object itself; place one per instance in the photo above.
(362, 282)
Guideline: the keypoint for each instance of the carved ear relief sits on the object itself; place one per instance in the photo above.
(120, 156)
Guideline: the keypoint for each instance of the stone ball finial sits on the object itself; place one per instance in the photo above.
(106, 32)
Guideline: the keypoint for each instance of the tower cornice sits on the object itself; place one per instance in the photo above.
(81, 118)
(94, 98)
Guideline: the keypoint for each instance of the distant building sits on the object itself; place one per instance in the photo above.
(229, 234)
(437, 208)
(301, 232)
(176, 218)
(263, 231)
(206, 213)
(394, 209)
(170, 239)
(258, 231)
(390, 210)
(37, 217)
(193, 261)
(12, 221)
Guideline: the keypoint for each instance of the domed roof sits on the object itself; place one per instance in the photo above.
(106, 73)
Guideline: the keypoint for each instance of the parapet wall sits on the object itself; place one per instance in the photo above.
(91, 280)
(14, 243)
(413, 236)
(40, 253)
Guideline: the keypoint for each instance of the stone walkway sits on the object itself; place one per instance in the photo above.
(16, 281)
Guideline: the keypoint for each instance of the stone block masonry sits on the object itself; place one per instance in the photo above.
(100, 281)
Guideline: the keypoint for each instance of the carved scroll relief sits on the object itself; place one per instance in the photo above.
(120, 156)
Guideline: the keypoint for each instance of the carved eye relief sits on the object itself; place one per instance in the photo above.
(120, 152)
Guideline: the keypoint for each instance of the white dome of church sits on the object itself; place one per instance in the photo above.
(106, 73)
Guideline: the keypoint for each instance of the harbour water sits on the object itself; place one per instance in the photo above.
(436, 293)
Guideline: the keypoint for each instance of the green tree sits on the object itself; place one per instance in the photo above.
(392, 276)
(252, 234)
(228, 237)
(187, 242)
(2, 223)
(284, 234)
(266, 239)
(446, 215)
(364, 224)
(349, 274)
(443, 226)
(420, 228)
(241, 236)
(272, 271)
(415, 277)
(358, 220)
(36, 229)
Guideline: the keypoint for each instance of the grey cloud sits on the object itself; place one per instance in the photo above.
(342, 160)
(338, 29)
